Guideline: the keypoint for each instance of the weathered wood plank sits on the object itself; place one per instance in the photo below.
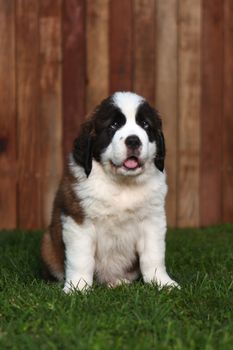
(27, 50)
(121, 45)
(166, 94)
(97, 52)
(50, 103)
(211, 113)
(189, 112)
(74, 70)
(227, 153)
(144, 49)
(8, 171)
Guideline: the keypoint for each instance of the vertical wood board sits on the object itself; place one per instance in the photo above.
(8, 161)
(189, 111)
(144, 49)
(27, 45)
(228, 114)
(166, 96)
(50, 103)
(121, 45)
(211, 113)
(74, 70)
(97, 52)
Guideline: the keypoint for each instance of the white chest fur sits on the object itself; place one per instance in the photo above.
(102, 197)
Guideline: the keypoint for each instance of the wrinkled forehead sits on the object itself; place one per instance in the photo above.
(127, 103)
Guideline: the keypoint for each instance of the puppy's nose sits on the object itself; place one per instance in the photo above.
(133, 142)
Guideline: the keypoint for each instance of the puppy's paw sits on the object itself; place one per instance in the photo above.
(80, 286)
(118, 283)
(164, 281)
(161, 279)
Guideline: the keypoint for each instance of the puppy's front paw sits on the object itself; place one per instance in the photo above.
(72, 287)
(160, 278)
(164, 281)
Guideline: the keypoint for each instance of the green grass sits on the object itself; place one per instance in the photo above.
(36, 315)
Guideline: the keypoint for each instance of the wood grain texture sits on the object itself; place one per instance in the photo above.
(189, 112)
(8, 171)
(27, 50)
(228, 114)
(211, 113)
(144, 49)
(166, 95)
(121, 45)
(97, 52)
(74, 70)
(50, 103)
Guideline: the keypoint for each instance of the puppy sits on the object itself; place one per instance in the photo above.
(108, 219)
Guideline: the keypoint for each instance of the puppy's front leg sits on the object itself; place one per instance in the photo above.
(152, 253)
(79, 243)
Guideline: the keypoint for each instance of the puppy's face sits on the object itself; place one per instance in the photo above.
(124, 135)
(131, 136)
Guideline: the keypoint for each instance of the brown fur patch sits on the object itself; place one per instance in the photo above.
(52, 246)
(53, 261)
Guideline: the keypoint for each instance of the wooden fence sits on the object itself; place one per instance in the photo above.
(58, 59)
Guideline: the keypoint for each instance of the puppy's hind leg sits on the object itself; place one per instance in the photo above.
(53, 259)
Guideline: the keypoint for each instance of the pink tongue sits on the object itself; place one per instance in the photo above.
(131, 163)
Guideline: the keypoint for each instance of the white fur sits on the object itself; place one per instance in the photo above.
(124, 215)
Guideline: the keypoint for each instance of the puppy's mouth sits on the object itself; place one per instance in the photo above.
(131, 163)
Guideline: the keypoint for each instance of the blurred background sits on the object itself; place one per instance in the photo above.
(60, 58)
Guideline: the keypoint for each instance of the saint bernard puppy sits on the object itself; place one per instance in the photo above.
(108, 221)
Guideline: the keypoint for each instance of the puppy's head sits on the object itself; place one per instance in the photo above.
(124, 134)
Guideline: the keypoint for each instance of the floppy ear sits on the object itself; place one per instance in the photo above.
(83, 146)
(161, 151)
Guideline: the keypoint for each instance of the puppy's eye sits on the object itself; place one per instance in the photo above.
(145, 125)
(114, 126)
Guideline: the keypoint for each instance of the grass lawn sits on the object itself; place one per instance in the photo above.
(36, 315)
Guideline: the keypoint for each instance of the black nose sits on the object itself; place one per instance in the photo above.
(133, 142)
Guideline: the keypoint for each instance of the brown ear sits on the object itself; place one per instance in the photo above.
(83, 147)
(161, 151)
